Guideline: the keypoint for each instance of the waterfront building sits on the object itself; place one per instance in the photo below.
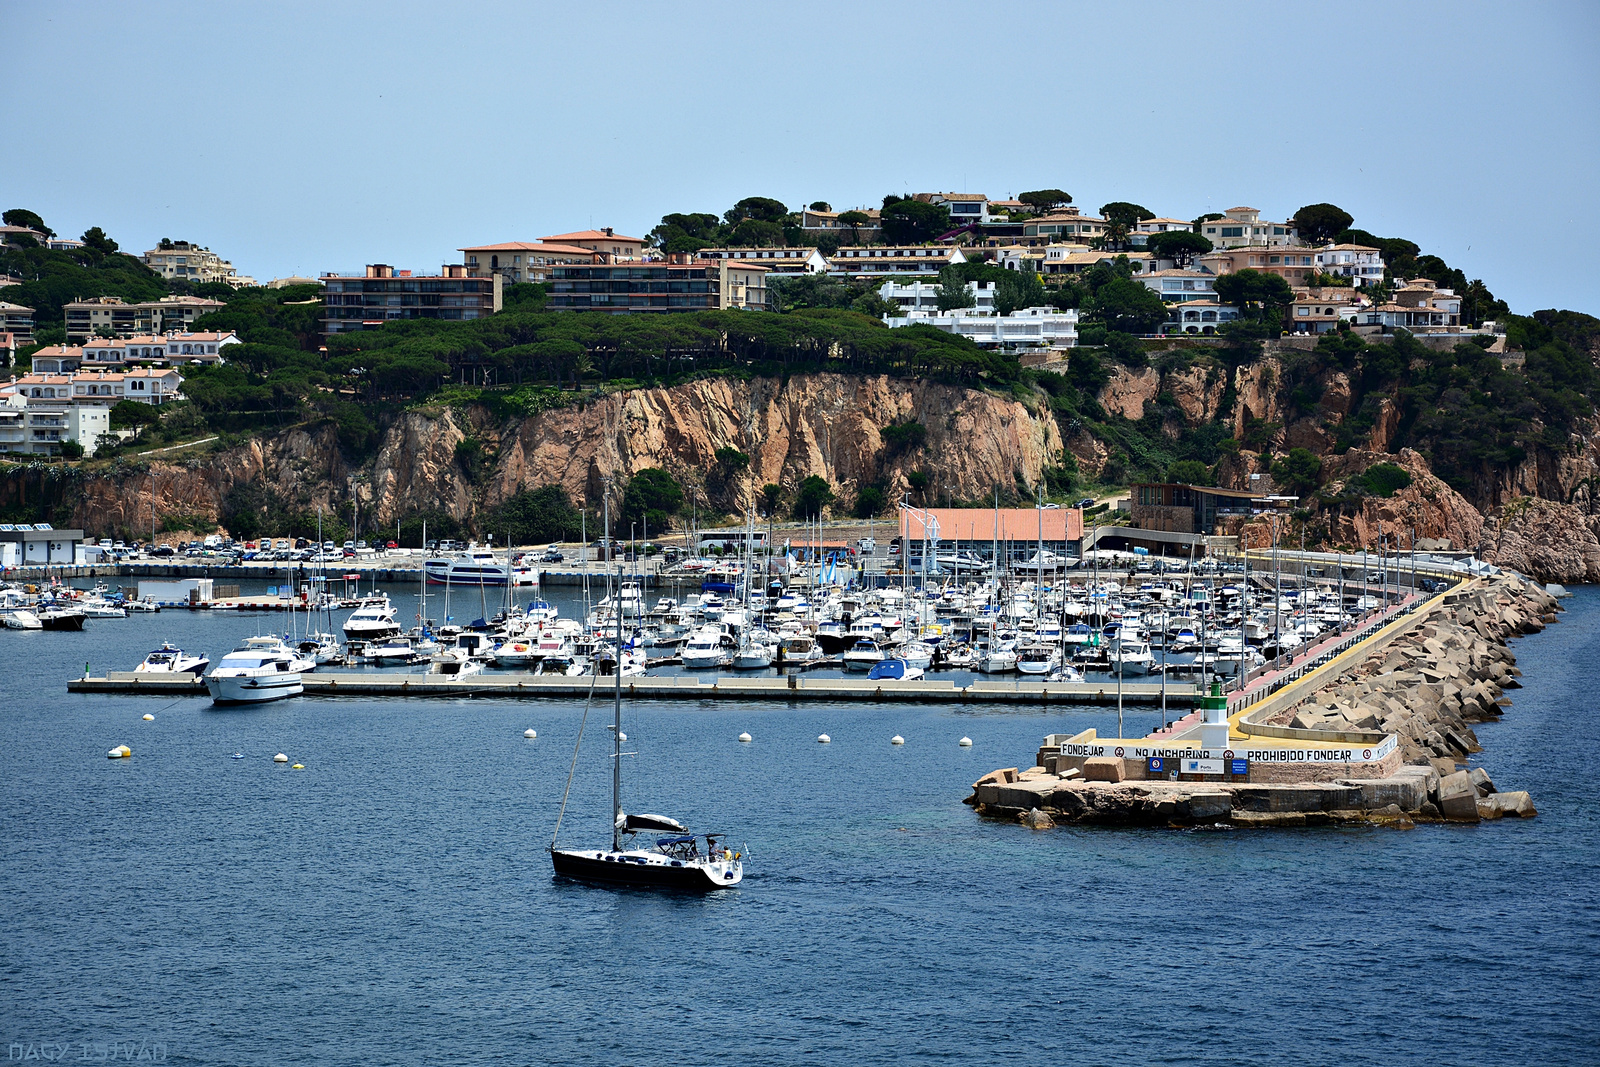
(384, 294)
(1192, 509)
(924, 296)
(974, 532)
(27, 544)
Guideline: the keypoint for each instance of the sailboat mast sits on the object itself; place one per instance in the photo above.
(616, 714)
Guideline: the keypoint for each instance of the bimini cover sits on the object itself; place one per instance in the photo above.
(893, 669)
(655, 822)
(680, 839)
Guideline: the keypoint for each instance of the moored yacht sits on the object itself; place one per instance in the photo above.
(261, 669)
(170, 659)
(372, 622)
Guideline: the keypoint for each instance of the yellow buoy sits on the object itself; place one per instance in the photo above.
(298, 767)
(280, 758)
(120, 752)
(149, 718)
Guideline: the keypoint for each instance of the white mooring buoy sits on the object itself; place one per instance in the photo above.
(149, 718)
(744, 737)
(823, 739)
(965, 742)
(280, 758)
(897, 740)
(530, 734)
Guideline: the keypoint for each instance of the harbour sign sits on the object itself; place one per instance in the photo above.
(1365, 754)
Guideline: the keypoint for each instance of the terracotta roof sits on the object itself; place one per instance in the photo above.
(589, 235)
(982, 524)
(1177, 274)
(1348, 248)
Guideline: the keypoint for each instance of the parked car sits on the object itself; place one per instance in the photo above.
(163, 550)
(1086, 502)
(552, 555)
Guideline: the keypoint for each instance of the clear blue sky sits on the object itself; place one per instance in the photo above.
(304, 137)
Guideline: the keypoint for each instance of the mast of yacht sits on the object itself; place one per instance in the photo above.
(422, 582)
(616, 715)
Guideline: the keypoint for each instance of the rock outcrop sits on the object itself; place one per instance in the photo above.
(1549, 541)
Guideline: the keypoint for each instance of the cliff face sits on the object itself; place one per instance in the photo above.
(827, 425)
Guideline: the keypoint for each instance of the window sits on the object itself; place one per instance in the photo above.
(1230, 231)
(1302, 312)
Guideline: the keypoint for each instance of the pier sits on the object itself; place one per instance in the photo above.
(788, 689)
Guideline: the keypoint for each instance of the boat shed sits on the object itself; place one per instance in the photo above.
(34, 544)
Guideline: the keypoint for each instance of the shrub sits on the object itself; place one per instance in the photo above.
(1382, 479)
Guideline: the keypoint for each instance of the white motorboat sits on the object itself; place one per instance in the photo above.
(454, 663)
(323, 648)
(516, 652)
(1038, 659)
(800, 648)
(143, 604)
(99, 608)
(754, 654)
(1133, 657)
(998, 661)
(862, 655)
(170, 659)
(894, 669)
(704, 649)
(372, 622)
(918, 654)
(261, 669)
(397, 647)
(21, 619)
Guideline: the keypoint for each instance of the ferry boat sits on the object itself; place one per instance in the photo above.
(477, 566)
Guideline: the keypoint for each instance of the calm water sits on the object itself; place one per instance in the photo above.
(392, 903)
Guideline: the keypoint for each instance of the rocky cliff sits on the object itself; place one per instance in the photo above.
(1541, 510)
(827, 425)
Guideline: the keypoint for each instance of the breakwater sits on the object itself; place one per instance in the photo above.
(1380, 734)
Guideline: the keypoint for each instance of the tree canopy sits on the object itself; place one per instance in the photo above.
(1320, 223)
(1180, 245)
(21, 216)
(1127, 306)
(652, 498)
(914, 222)
(813, 495)
(1045, 199)
(1257, 294)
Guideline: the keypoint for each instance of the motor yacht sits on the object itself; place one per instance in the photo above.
(372, 622)
(170, 659)
(705, 649)
(894, 669)
(1038, 659)
(454, 663)
(261, 669)
(862, 655)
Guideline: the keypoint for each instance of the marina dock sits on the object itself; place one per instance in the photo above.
(790, 688)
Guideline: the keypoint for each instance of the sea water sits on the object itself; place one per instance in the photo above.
(393, 902)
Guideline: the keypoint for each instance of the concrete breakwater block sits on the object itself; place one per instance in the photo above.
(1034, 819)
(1458, 797)
(1515, 803)
(1103, 769)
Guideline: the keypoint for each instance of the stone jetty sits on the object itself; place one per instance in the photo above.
(1417, 689)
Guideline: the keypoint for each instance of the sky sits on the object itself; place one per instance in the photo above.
(300, 138)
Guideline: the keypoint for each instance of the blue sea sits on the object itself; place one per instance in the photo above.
(393, 901)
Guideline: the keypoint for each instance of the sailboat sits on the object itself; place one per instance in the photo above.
(669, 856)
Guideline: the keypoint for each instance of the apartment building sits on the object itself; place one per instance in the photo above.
(777, 260)
(604, 240)
(523, 261)
(86, 318)
(924, 296)
(965, 208)
(1145, 228)
(170, 348)
(186, 261)
(1198, 316)
(384, 294)
(57, 359)
(1241, 226)
(863, 261)
(1066, 259)
(17, 321)
(679, 282)
(36, 417)
(1320, 310)
(1295, 266)
(1065, 224)
(1178, 286)
(1041, 327)
(1361, 264)
(740, 285)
